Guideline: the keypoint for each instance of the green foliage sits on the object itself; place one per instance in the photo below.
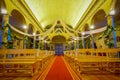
(7, 25)
(10, 45)
(36, 44)
(108, 30)
(1, 28)
(4, 44)
(88, 42)
(110, 45)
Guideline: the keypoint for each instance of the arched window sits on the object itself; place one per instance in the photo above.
(17, 20)
(99, 20)
(117, 13)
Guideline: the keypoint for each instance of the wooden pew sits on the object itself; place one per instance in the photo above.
(22, 62)
(94, 61)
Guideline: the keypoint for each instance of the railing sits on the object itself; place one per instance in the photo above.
(94, 60)
(23, 62)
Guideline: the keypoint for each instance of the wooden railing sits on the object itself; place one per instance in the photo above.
(94, 60)
(23, 62)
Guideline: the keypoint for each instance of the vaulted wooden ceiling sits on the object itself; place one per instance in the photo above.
(49, 11)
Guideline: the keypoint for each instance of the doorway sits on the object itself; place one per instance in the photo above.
(59, 49)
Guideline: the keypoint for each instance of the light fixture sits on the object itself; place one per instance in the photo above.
(39, 37)
(3, 11)
(45, 41)
(24, 27)
(112, 12)
(83, 33)
(92, 27)
(33, 33)
(75, 38)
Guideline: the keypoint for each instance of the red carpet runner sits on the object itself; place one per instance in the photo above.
(58, 71)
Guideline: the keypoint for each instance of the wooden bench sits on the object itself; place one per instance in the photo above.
(22, 62)
(94, 61)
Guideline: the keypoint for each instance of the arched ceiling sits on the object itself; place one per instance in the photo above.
(48, 11)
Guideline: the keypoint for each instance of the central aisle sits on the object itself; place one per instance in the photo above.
(58, 70)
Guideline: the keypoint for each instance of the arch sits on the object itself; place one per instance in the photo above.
(17, 20)
(30, 29)
(99, 20)
(117, 12)
(58, 39)
(59, 42)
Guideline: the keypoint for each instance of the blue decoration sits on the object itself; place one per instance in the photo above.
(114, 33)
(1, 36)
(9, 36)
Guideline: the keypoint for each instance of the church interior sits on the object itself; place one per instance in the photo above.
(59, 39)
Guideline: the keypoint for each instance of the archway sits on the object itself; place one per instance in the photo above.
(117, 20)
(17, 20)
(99, 20)
(117, 13)
(59, 44)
